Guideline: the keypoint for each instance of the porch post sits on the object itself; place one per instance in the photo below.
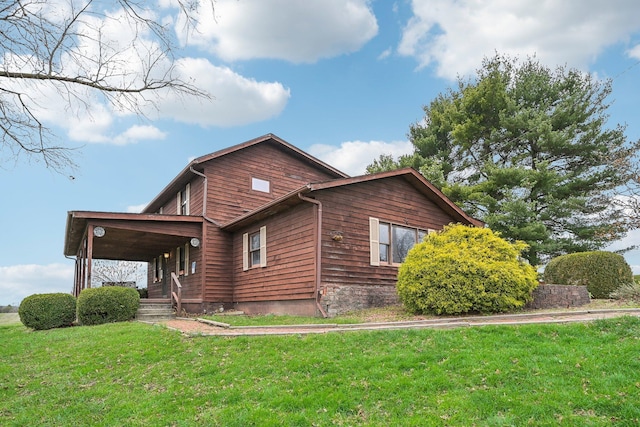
(83, 265)
(76, 277)
(89, 254)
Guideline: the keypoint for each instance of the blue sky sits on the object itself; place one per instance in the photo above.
(340, 79)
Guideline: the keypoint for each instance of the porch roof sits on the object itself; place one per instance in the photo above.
(129, 236)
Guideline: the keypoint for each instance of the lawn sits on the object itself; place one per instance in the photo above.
(392, 313)
(136, 374)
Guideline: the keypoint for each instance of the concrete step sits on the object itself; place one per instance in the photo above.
(154, 311)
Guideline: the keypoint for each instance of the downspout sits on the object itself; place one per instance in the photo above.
(204, 196)
(318, 250)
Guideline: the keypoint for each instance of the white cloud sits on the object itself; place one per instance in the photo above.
(457, 35)
(139, 133)
(91, 116)
(19, 281)
(634, 52)
(632, 257)
(238, 100)
(296, 31)
(353, 157)
(136, 208)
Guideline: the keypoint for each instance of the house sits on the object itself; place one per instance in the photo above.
(265, 227)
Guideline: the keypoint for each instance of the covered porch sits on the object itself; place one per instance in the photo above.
(129, 237)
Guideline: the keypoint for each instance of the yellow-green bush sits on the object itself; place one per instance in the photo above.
(107, 304)
(600, 271)
(465, 269)
(47, 311)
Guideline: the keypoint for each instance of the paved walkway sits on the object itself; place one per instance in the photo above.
(207, 327)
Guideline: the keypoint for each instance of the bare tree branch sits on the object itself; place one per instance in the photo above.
(76, 49)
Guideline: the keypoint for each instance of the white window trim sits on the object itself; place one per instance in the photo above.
(263, 246)
(246, 252)
(374, 241)
(187, 199)
(186, 259)
(261, 185)
(178, 261)
(154, 265)
(185, 271)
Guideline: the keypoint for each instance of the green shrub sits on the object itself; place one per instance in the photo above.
(465, 269)
(601, 272)
(628, 292)
(47, 311)
(107, 305)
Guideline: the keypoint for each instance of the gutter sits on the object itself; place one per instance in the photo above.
(203, 284)
(318, 241)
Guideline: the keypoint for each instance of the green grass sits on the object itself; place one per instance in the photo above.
(141, 375)
(271, 319)
(391, 313)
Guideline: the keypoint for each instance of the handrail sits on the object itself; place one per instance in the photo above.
(178, 296)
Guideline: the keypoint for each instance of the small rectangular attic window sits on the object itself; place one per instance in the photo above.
(261, 185)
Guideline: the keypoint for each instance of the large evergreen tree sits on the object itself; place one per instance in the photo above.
(527, 149)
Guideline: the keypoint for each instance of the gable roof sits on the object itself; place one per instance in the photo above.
(410, 175)
(186, 174)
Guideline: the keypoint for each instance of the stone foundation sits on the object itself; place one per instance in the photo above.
(305, 307)
(340, 299)
(556, 296)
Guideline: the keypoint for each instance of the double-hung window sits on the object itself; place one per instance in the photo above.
(390, 243)
(182, 260)
(254, 249)
(157, 269)
(183, 200)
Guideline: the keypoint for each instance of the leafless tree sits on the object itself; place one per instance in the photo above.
(117, 50)
(117, 272)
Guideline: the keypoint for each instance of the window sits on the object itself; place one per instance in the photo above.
(183, 200)
(182, 260)
(157, 268)
(261, 185)
(254, 249)
(390, 243)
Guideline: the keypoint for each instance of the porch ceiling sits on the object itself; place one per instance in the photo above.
(130, 237)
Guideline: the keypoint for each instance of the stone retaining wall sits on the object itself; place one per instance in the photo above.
(554, 296)
(340, 299)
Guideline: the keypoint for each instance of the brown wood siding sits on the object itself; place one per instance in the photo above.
(191, 282)
(154, 289)
(290, 270)
(230, 194)
(347, 211)
(218, 269)
(196, 194)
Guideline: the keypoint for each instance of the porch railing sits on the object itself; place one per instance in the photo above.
(177, 294)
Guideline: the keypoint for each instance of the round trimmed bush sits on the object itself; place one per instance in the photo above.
(465, 269)
(107, 304)
(47, 311)
(600, 271)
